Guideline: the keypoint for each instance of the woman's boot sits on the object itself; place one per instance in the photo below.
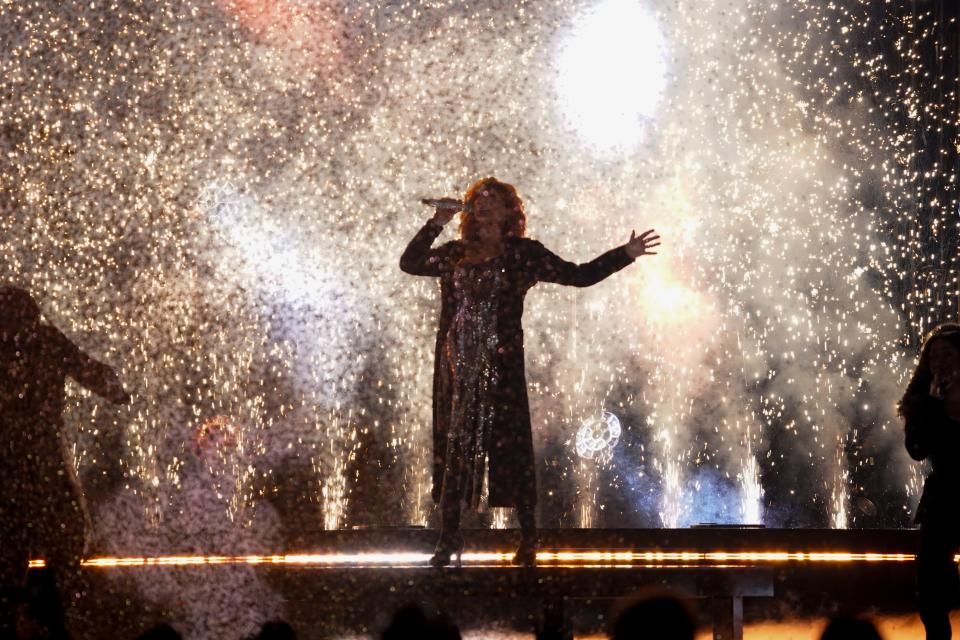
(451, 538)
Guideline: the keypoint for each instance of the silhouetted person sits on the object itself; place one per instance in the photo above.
(850, 628)
(656, 616)
(930, 408)
(42, 512)
(481, 417)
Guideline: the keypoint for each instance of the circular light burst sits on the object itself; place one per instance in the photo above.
(611, 74)
(597, 437)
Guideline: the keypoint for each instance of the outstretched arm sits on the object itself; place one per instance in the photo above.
(551, 268)
(91, 374)
(419, 258)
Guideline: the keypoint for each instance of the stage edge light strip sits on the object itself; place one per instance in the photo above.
(584, 558)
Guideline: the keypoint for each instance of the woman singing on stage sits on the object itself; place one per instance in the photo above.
(931, 413)
(481, 418)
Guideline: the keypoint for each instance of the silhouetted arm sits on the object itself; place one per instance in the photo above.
(548, 267)
(92, 375)
(419, 259)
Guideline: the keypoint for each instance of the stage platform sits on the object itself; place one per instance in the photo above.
(718, 567)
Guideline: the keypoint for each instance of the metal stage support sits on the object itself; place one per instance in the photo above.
(725, 588)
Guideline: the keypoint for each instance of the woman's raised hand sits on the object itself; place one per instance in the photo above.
(640, 245)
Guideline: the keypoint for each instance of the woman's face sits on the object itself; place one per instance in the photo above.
(944, 367)
(491, 210)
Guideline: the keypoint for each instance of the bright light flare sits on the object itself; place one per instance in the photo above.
(306, 31)
(612, 73)
(671, 303)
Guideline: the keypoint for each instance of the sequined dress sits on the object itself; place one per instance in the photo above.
(480, 403)
(471, 350)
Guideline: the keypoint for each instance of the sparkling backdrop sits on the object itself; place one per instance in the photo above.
(213, 196)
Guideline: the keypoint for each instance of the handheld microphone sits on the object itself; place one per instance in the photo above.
(445, 203)
(939, 388)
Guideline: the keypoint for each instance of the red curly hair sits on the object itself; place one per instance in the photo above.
(516, 223)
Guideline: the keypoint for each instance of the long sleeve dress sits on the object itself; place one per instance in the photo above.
(934, 436)
(481, 415)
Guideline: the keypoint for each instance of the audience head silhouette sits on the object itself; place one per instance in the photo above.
(654, 615)
(850, 628)
(276, 630)
(410, 621)
(161, 632)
